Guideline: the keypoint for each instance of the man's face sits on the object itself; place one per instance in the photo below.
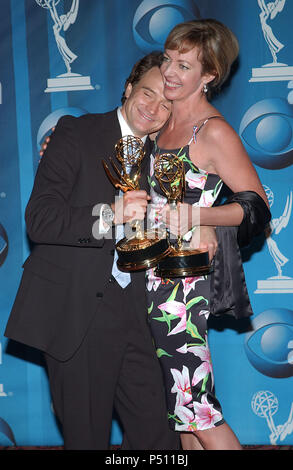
(146, 109)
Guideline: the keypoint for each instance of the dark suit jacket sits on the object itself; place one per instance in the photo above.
(68, 270)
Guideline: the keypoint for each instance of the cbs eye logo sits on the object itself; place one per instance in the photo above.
(269, 347)
(51, 120)
(154, 19)
(266, 131)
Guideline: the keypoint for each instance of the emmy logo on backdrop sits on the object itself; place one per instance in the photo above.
(265, 404)
(68, 81)
(277, 284)
(273, 71)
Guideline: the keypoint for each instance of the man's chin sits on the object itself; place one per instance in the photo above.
(154, 129)
(146, 130)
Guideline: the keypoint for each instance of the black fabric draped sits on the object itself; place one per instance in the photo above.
(256, 215)
(228, 287)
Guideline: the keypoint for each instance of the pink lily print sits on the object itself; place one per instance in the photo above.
(172, 309)
(205, 414)
(183, 416)
(206, 313)
(196, 180)
(208, 197)
(181, 386)
(153, 280)
(189, 284)
(203, 371)
(203, 417)
(177, 310)
(185, 420)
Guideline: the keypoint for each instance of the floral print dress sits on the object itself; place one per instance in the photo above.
(178, 310)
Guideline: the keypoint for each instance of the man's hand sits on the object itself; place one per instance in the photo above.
(131, 206)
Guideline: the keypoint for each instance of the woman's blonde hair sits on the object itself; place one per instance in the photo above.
(218, 46)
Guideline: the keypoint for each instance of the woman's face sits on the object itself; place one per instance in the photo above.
(182, 74)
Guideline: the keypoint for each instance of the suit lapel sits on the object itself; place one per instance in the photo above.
(145, 167)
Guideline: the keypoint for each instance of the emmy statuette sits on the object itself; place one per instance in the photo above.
(143, 249)
(181, 261)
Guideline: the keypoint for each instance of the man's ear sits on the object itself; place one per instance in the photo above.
(128, 90)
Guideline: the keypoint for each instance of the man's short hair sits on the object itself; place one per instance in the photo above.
(153, 59)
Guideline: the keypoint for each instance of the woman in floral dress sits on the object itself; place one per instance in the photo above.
(197, 60)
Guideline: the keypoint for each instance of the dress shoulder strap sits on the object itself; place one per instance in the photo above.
(196, 128)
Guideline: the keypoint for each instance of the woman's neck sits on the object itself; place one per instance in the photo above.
(189, 111)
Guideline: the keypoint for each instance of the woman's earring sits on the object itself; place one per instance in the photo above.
(205, 88)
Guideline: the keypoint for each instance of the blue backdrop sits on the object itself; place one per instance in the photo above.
(253, 363)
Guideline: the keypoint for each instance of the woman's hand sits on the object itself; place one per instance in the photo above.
(182, 219)
(204, 238)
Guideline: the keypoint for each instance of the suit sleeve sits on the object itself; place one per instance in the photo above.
(50, 216)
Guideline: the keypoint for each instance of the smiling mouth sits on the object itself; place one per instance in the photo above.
(171, 85)
(146, 116)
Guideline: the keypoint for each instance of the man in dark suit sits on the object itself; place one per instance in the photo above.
(93, 332)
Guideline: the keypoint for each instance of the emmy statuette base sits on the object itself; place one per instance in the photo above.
(136, 254)
(184, 263)
(142, 265)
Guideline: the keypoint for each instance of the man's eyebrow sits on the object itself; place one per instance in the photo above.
(149, 89)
